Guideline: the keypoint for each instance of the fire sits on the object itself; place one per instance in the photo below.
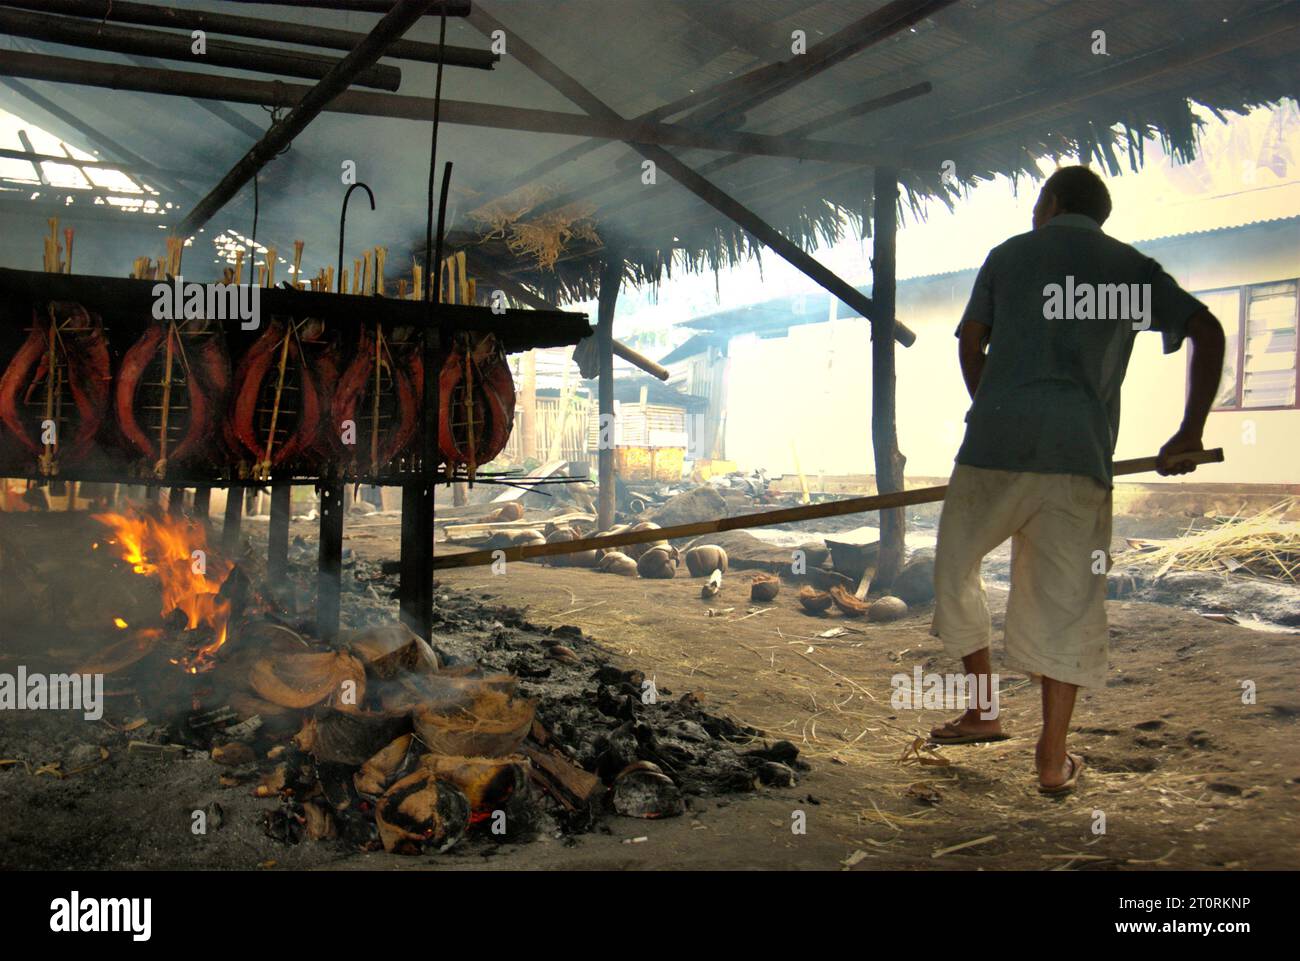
(175, 551)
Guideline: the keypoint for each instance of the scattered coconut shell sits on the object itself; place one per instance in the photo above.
(814, 601)
(642, 790)
(887, 608)
(704, 560)
(390, 650)
(318, 822)
(486, 782)
(849, 605)
(233, 754)
(446, 690)
(122, 653)
(302, 680)
(391, 763)
(561, 535)
(635, 551)
(350, 738)
(494, 725)
(616, 529)
(528, 538)
(421, 810)
(764, 587)
(616, 562)
(512, 511)
(658, 562)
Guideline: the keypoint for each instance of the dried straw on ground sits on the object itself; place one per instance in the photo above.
(1263, 545)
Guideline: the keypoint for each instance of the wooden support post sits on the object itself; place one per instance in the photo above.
(202, 504)
(234, 518)
(611, 278)
(884, 430)
(329, 571)
(277, 538)
(528, 405)
(176, 502)
(408, 593)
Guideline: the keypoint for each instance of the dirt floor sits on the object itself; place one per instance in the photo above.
(1181, 774)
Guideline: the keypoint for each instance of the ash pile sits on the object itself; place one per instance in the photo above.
(498, 730)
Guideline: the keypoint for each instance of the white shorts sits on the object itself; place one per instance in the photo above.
(1059, 525)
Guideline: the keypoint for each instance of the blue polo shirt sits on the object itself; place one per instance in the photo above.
(1063, 304)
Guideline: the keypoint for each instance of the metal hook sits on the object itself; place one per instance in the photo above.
(343, 220)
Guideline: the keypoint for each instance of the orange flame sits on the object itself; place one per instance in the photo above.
(175, 551)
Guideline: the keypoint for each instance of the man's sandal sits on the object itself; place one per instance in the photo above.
(957, 736)
(1070, 783)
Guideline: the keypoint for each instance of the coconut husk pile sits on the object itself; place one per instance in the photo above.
(1261, 545)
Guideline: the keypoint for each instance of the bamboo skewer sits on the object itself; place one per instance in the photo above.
(160, 468)
(851, 505)
(374, 400)
(275, 408)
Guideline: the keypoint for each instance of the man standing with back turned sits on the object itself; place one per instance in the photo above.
(1058, 309)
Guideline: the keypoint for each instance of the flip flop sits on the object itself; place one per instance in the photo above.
(1069, 784)
(965, 738)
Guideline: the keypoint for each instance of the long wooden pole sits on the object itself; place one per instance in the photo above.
(888, 459)
(851, 505)
(101, 35)
(189, 83)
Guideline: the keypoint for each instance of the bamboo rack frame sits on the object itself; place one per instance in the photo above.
(851, 505)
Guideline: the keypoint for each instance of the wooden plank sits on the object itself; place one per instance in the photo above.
(277, 537)
(514, 493)
(460, 532)
(569, 784)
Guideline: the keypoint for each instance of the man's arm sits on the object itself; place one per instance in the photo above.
(971, 342)
(1206, 334)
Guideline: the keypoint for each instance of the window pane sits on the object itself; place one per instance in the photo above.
(1223, 304)
(1270, 368)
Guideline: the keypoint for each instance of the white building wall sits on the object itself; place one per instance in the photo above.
(809, 393)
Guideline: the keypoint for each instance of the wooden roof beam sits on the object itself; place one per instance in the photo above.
(688, 178)
(183, 83)
(88, 34)
(254, 28)
(395, 23)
